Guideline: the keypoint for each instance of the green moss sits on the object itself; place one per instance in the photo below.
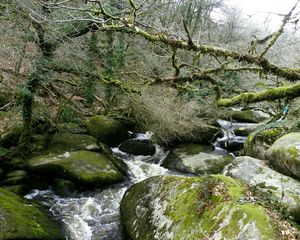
(21, 219)
(107, 130)
(82, 167)
(191, 208)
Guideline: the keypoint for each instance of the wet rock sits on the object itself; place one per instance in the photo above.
(245, 130)
(257, 143)
(175, 208)
(255, 173)
(250, 116)
(107, 130)
(21, 219)
(137, 147)
(196, 159)
(233, 143)
(64, 187)
(284, 154)
(82, 167)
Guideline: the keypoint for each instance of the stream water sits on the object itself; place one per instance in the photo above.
(95, 215)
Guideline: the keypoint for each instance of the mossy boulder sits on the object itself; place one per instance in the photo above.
(20, 189)
(64, 187)
(176, 208)
(284, 154)
(107, 130)
(245, 130)
(21, 219)
(71, 142)
(84, 168)
(258, 142)
(257, 174)
(250, 116)
(15, 178)
(137, 147)
(71, 128)
(196, 159)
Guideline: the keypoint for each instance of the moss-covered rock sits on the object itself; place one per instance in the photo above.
(71, 128)
(165, 207)
(21, 189)
(107, 130)
(196, 159)
(64, 187)
(250, 115)
(21, 219)
(284, 154)
(71, 142)
(259, 141)
(137, 147)
(255, 173)
(15, 178)
(245, 130)
(82, 167)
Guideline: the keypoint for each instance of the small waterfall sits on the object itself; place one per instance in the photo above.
(95, 215)
(229, 137)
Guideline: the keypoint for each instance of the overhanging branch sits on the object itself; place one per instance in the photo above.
(292, 91)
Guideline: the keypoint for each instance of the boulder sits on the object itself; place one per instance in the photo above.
(15, 178)
(250, 116)
(196, 159)
(107, 130)
(176, 208)
(257, 143)
(232, 144)
(71, 142)
(255, 173)
(71, 128)
(64, 187)
(137, 147)
(82, 167)
(21, 219)
(284, 154)
(245, 130)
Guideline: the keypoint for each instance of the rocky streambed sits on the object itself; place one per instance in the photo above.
(138, 190)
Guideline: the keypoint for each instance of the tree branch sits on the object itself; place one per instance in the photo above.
(292, 91)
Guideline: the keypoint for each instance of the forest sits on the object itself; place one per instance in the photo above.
(144, 120)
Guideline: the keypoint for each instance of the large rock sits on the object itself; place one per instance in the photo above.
(257, 143)
(107, 130)
(255, 173)
(250, 115)
(137, 147)
(82, 167)
(284, 154)
(72, 142)
(176, 208)
(196, 159)
(21, 219)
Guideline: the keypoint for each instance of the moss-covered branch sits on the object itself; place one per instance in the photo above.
(267, 95)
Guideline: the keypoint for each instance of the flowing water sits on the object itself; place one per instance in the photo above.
(95, 215)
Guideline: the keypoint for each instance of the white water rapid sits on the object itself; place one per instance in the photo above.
(95, 215)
